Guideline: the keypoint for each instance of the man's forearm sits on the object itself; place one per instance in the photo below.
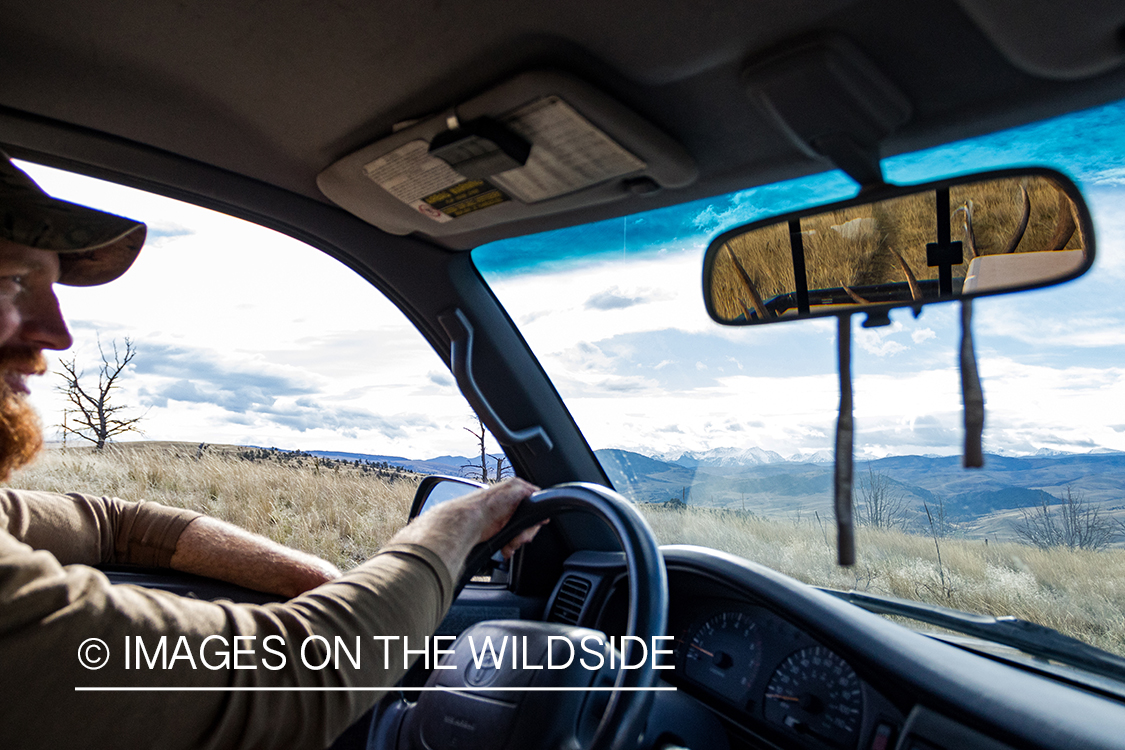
(216, 549)
(219, 550)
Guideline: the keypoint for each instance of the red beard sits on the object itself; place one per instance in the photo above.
(20, 434)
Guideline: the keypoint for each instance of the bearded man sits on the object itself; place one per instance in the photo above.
(53, 605)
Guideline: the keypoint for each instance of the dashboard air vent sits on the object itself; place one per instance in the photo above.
(569, 600)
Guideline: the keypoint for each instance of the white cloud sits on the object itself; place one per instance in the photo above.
(614, 298)
(1112, 176)
(1109, 230)
(1049, 324)
(922, 334)
(655, 370)
(878, 341)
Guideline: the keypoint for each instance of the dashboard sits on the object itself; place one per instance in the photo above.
(763, 661)
(777, 664)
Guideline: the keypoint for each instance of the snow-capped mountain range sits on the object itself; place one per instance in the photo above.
(737, 457)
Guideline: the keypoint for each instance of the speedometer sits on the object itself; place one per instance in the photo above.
(814, 692)
(724, 655)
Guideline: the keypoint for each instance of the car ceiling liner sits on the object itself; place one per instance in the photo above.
(1087, 37)
(541, 143)
(836, 105)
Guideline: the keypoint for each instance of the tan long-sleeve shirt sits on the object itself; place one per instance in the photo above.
(51, 604)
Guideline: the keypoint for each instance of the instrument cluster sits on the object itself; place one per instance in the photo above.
(760, 665)
(758, 669)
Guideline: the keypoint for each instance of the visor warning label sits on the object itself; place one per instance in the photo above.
(465, 197)
(429, 185)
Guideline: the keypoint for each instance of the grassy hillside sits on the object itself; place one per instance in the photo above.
(344, 512)
(333, 509)
(1080, 593)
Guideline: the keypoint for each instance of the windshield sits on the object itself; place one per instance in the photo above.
(723, 436)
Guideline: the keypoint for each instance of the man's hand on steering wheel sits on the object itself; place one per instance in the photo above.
(453, 528)
(467, 705)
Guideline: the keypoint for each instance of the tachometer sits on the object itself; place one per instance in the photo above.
(724, 655)
(814, 692)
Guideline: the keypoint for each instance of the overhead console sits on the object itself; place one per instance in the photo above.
(539, 144)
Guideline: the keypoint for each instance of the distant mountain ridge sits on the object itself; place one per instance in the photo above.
(764, 482)
(722, 457)
(448, 465)
(986, 500)
(733, 458)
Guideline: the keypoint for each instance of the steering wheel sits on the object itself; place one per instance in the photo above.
(491, 707)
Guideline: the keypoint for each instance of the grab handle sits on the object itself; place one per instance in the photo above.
(461, 362)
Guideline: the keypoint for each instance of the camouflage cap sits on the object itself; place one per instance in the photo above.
(94, 246)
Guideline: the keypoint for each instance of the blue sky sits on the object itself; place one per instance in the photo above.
(1051, 359)
(1088, 146)
(261, 340)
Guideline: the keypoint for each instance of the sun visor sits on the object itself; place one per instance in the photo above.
(540, 144)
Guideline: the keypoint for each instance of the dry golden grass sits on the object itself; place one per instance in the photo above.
(1077, 592)
(853, 247)
(342, 515)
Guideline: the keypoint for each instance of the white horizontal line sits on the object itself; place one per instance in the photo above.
(159, 689)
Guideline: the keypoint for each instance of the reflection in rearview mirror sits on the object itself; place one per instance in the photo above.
(981, 235)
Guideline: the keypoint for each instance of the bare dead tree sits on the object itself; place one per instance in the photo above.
(881, 504)
(1074, 522)
(92, 415)
(501, 471)
(480, 471)
(473, 470)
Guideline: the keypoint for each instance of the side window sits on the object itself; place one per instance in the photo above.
(271, 385)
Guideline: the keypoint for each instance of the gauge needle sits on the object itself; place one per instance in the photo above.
(779, 697)
(699, 648)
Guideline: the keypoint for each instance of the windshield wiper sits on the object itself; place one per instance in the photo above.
(1028, 637)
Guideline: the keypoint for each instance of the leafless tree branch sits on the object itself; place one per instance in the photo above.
(480, 471)
(881, 504)
(93, 417)
(1075, 523)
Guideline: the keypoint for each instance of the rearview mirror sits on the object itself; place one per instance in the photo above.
(902, 246)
